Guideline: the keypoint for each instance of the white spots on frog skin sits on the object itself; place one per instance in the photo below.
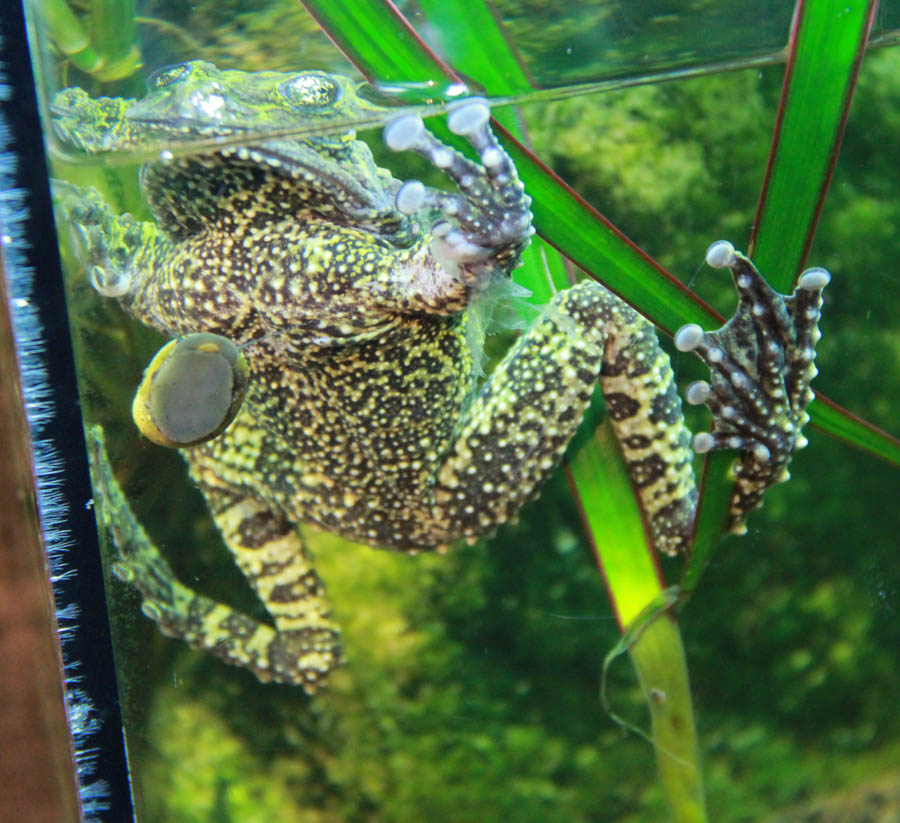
(761, 453)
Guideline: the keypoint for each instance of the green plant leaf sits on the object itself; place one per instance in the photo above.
(396, 54)
(827, 44)
(595, 466)
(825, 51)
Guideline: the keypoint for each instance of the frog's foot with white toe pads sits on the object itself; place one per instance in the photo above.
(484, 227)
(761, 366)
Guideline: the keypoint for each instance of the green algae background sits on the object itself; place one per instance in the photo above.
(472, 683)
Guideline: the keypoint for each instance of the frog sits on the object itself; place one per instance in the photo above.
(332, 304)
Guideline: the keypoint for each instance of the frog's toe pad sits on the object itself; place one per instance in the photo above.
(469, 117)
(411, 197)
(404, 132)
(720, 255)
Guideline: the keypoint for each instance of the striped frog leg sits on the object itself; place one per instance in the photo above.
(303, 645)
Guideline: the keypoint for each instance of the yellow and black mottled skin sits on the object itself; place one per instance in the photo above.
(351, 307)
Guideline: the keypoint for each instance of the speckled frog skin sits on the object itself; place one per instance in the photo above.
(349, 294)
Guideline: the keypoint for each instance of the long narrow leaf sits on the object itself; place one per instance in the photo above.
(600, 481)
(595, 467)
(826, 48)
(828, 40)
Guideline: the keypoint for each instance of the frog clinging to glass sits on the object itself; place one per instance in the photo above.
(321, 370)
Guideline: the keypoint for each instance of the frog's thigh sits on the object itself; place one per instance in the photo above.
(277, 564)
(516, 430)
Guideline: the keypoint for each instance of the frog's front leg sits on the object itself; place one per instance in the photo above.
(304, 644)
(116, 249)
(488, 224)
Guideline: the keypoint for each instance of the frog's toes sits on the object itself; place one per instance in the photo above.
(761, 366)
(489, 218)
(103, 241)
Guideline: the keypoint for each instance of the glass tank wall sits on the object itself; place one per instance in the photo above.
(470, 687)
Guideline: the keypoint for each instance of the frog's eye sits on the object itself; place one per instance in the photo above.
(168, 76)
(310, 90)
(191, 391)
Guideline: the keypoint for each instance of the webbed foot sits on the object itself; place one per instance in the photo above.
(761, 367)
(487, 224)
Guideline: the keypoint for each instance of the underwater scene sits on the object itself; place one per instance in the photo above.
(400, 517)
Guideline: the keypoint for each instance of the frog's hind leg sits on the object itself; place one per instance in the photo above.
(761, 366)
(517, 428)
(277, 564)
(301, 655)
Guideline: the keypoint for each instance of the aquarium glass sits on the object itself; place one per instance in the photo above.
(471, 683)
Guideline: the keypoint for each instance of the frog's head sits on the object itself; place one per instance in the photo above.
(197, 98)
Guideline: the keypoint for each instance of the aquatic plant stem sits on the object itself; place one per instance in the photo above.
(659, 659)
(642, 605)
(595, 468)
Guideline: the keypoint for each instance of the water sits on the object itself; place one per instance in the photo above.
(471, 685)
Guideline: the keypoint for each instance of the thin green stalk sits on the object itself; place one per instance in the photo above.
(640, 601)
(827, 44)
(114, 35)
(658, 656)
(68, 34)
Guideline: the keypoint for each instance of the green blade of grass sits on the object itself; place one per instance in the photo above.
(114, 36)
(828, 40)
(841, 424)
(477, 48)
(595, 466)
(377, 39)
(825, 51)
